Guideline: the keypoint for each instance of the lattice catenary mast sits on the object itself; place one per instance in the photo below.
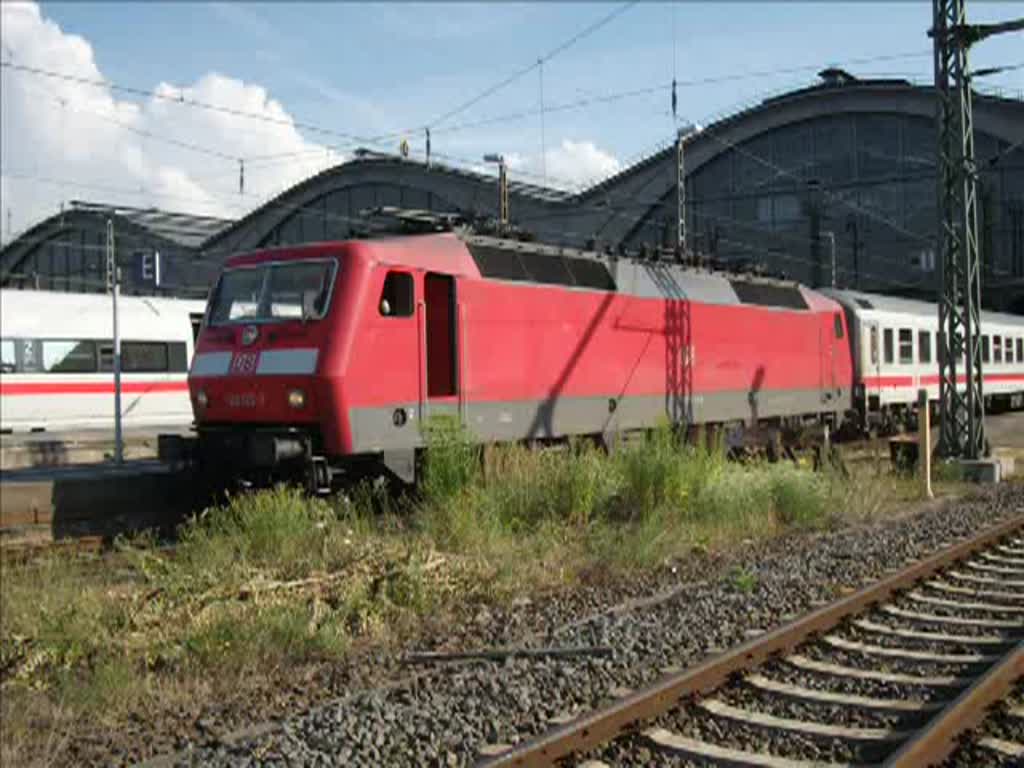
(962, 429)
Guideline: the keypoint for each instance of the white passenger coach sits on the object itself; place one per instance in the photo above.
(895, 353)
(57, 353)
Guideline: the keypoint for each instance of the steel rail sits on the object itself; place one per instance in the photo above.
(608, 723)
(938, 738)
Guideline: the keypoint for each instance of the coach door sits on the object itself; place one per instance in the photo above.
(441, 337)
(871, 359)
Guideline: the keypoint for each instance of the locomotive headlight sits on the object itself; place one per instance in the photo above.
(296, 398)
(201, 399)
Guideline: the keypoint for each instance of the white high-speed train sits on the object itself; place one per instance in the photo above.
(57, 353)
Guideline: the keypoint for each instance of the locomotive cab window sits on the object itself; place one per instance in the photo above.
(906, 346)
(924, 347)
(275, 291)
(397, 298)
(887, 345)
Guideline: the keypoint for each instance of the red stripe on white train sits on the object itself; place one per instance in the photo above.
(26, 388)
(908, 381)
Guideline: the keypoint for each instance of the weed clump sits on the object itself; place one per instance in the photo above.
(648, 500)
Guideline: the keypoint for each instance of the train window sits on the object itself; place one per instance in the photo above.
(177, 357)
(1020, 350)
(874, 345)
(397, 298)
(906, 346)
(1009, 349)
(8, 362)
(106, 357)
(299, 289)
(984, 349)
(69, 356)
(887, 345)
(924, 347)
(237, 295)
(144, 357)
(997, 349)
(838, 322)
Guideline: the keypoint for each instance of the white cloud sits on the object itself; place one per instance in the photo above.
(63, 139)
(580, 162)
(570, 165)
(70, 139)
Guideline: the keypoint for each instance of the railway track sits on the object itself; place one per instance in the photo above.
(893, 674)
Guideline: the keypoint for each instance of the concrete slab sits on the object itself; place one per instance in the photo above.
(981, 470)
(79, 446)
(1007, 463)
(95, 500)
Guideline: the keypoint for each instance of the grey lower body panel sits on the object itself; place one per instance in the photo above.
(378, 429)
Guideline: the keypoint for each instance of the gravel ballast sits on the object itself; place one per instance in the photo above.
(447, 715)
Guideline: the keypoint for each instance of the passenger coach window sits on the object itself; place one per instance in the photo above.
(997, 349)
(924, 347)
(1020, 350)
(8, 363)
(906, 346)
(144, 357)
(887, 345)
(984, 349)
(177, 357)
(397, 298)
(1009, 349)
(69, 356)
(107, 357)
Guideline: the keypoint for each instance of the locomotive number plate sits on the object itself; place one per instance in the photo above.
(244, 363)
(245, 400)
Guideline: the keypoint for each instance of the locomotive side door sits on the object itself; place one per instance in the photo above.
(441, 338)
(826, 359)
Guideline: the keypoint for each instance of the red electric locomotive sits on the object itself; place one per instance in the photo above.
(327, 358)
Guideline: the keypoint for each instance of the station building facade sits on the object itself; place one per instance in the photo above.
(830, 183)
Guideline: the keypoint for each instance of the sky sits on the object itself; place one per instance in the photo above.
(290, 89)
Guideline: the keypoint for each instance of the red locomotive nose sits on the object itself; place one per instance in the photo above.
(260, 351)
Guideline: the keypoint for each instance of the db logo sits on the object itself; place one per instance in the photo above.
(244, 362)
